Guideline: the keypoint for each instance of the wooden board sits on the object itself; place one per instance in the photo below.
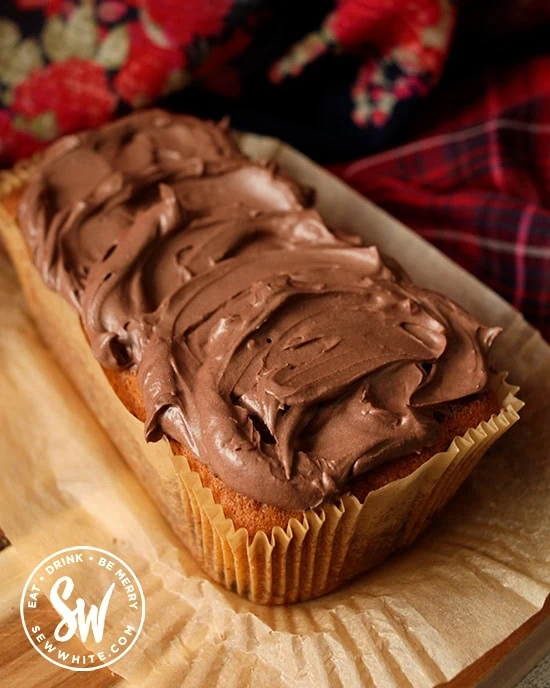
(502, 667)
(507, 663)
(19, 661)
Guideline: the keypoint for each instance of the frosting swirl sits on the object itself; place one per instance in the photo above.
(287, 358)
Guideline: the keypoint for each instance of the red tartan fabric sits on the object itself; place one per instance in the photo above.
(479, 189)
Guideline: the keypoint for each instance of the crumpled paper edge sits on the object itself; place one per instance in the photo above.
(315, 555)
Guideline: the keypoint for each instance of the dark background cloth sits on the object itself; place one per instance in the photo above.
(349, 89)
(312, 112)
(478, 186)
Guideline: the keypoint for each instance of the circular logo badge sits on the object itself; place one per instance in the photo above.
(82, 608)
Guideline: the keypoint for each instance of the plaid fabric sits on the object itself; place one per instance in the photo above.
(480, 189)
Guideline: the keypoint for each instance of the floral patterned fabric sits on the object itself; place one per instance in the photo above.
(67, 65)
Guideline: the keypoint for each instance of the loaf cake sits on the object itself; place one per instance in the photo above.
(297, 407)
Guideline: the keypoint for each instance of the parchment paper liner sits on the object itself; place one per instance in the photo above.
(336, 541)
(329, 546)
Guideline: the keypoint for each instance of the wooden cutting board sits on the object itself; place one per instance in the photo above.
(21, 665)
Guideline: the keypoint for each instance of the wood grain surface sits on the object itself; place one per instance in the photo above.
(502, 667)
(20, 664)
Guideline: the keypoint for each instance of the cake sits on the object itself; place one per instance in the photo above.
(306, 394)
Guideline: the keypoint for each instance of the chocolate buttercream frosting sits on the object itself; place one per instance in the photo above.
(287, 358)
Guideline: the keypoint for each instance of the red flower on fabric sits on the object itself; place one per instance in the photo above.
(221, 54)
(399, 30)
(185, 20)
(144, 75)
(112, 11)
(75, 90)
(50, 6)
(387, 24)
(219, 77)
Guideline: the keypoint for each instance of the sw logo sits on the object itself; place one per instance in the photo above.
(88, 617)
(74, 620)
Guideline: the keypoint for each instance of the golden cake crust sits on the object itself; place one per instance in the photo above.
(255, 516)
